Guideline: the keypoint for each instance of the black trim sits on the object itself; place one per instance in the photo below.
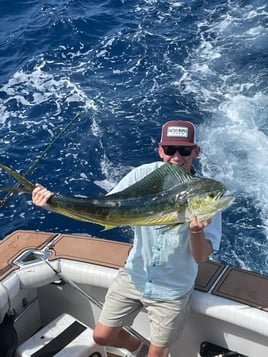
(60, 341)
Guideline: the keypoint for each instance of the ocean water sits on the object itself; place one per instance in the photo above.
(128, 66)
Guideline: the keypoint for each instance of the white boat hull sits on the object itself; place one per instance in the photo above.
(37, 294)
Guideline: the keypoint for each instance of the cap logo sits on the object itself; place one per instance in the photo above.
(177, 132)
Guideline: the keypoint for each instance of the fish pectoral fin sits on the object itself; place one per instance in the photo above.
(189, 213)
(107, 227)
(169, 227)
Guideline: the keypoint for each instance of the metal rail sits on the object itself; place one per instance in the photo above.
(41, 255)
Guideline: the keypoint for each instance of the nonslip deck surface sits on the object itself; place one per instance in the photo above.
(18, 242)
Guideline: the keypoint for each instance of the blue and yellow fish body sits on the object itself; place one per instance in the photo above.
(167, 196)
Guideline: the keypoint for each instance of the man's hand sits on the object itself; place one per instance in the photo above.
(196, 226)
(40, 195)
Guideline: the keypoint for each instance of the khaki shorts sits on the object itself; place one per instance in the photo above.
(123, 302)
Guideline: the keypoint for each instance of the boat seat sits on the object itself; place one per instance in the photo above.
(63, 337)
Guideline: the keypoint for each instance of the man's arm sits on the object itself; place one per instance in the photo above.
(200, 247)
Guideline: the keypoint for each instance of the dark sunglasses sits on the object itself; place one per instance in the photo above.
(183, 150)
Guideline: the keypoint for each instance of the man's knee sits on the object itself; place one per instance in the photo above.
(157, 351)
(104, 335)
(99, 340)
(98, 335)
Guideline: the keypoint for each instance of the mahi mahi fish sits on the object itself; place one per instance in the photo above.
(167, 196)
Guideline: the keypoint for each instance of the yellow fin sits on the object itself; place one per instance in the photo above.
(107, 227)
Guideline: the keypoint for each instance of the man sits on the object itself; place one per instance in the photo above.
(161, 268)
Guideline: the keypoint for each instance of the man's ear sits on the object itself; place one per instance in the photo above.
(197, 151)
(160, 151)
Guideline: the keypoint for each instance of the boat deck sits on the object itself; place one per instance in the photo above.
(228, 282)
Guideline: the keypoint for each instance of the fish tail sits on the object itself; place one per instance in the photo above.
(27, 186)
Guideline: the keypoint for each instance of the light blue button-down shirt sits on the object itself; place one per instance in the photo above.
(160, 263)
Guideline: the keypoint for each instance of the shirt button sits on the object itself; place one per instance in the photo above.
(150, 281)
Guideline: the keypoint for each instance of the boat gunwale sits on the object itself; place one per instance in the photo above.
(213, 278)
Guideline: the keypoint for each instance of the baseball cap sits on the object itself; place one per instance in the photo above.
(178, 133)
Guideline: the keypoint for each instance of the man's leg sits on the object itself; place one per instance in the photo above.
(122, 304)
(167, 319)
(156, 351)
(118, 337)
(115, 336)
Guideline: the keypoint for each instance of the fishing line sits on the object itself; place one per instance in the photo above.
(8, 196)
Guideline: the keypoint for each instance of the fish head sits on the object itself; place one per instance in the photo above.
(207, 200)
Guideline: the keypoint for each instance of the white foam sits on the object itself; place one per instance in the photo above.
(111, 173)
(219, 76)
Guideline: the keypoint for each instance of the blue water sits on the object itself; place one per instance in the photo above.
(128, 66)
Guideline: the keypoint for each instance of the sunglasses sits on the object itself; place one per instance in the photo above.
(183, 150)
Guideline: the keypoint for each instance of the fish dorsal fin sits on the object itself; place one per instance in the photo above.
(176, 175)
(162, 179)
